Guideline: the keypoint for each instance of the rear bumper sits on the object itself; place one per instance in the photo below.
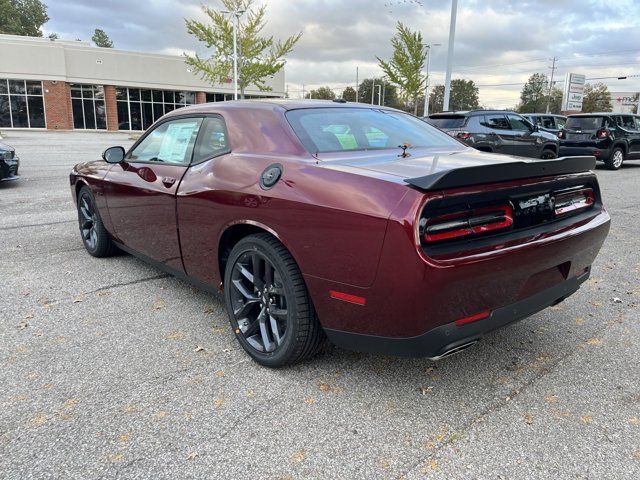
(600, 152)
(444, 338)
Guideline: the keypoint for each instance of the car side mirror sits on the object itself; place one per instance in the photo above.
(535, 128)
(113, 155)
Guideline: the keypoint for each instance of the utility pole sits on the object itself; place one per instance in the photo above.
(373, 89)
(452, 34)
(384, 90)
(357, 85)
(303, 91)
(553, 70)
(379, 87)
(236, 15)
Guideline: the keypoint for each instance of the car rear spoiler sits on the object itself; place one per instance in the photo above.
(502, 172)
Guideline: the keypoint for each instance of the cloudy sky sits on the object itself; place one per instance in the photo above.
(498, 44)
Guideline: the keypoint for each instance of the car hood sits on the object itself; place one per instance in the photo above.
(5, 147)
(389, 165)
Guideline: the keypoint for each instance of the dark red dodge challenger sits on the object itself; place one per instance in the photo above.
(361, 223)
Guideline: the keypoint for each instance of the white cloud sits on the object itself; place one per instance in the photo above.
(339, 36)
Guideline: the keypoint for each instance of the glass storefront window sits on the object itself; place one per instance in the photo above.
(138, 108)
(21, 104)
(87, 105)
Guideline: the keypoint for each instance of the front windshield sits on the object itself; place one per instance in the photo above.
(349, 129)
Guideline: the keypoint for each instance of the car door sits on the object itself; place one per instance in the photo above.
(524, 142)
(141, 191)
(633, 128)
(498, 133)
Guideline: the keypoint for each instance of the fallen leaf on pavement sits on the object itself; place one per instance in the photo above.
(299, 456)
(192, 456)
(199, 348)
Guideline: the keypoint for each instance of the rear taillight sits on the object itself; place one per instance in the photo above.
(561, 134)
(603, 133)
(470, 222)
(463, 135)
(568, 202)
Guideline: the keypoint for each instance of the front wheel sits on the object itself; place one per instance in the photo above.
(95, 237)
(548, 154)
(615, 160)
(268, 304)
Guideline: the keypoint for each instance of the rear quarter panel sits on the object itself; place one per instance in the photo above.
(332, 222)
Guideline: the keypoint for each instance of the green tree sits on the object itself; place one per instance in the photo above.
(322, 93)
(463, 96)
(555, 104)
(349, 94)
(388, 91)
(533, 98)
(101, 39)
(22, 17)
(404, 69)
(259, 57)
(597, 98)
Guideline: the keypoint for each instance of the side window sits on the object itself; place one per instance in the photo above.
(497, 122)
(628, 123)
(637, 123)
(212, 140)
(518, 123)
(170, 143)
(560, 122)
(547, 122)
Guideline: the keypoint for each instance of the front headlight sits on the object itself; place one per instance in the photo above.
(6, 154)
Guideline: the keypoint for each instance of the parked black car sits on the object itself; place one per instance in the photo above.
(9, 163)
(547, 122)
(610, 137)
(497, 131)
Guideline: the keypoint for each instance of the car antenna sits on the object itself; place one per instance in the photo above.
(404, 153)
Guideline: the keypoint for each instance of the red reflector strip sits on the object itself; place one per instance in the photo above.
(347, 297)
(472, 318)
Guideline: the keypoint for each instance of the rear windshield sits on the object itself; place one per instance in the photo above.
(453, 121)
(345, 129)
(584, 123)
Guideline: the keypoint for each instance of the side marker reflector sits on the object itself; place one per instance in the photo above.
(346, 297)
(472, 318)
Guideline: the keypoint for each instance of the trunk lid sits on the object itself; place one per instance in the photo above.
(432, 169)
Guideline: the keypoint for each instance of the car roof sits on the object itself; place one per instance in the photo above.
(543, 114)
(471, 112)
(269, 103)
(598, 114)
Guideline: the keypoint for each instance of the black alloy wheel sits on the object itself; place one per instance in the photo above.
(88, 221)
(259, 300)
(268, 304)
(548, 154)
(95, 238)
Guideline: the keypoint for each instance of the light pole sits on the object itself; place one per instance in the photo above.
(379, 87)
(425, 111)
(452, 34)
(236, 15)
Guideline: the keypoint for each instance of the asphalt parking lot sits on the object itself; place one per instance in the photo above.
(111, 369)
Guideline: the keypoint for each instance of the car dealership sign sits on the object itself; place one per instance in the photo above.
(573, 92)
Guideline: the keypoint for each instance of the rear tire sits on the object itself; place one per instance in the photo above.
(95, 238)
(262, 278)
(615, 160)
